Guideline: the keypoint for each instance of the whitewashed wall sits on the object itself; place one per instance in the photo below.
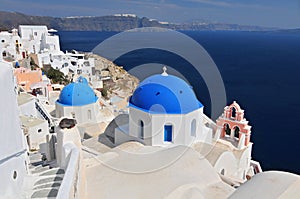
(37, 137)
(28, 108)
(27, 32)
(69, 157)
(154, 127)
(81, 112)
(12, 142)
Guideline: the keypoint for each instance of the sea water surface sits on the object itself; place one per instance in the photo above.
(260, 70)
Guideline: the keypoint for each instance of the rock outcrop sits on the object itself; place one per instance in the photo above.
(120, 82)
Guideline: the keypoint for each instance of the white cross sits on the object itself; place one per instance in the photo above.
(165, 71)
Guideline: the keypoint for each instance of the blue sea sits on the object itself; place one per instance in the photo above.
(260, 70)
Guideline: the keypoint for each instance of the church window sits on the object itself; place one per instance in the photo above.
(236, 132)
(227, 129)
(141, 129)
(89, 114)
(193, 128)
(233, 112)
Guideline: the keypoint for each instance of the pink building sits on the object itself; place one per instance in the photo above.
(26, 77)
(233, 123)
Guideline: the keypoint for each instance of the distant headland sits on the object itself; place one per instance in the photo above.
(117, 22)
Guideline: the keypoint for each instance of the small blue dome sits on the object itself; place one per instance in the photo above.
(164, 94)
(78, 93)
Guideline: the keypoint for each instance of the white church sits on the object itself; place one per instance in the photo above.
(164, 111)
(77, 100)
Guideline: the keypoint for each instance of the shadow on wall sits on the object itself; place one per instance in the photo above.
(108, 137)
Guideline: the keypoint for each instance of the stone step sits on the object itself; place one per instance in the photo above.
(48, 180)
(37, 163)
(39, 170)
(54, 171)
(48, 185)
(45, 193)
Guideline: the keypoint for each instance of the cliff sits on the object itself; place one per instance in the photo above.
(9, 20)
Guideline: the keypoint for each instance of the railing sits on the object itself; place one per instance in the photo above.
(44, 113)
(256, 166)
(70, 183)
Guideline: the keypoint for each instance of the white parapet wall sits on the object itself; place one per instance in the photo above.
(70, 181)
(68, 153)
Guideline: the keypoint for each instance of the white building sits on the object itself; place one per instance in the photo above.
(78, 100)
(164, 110)
(11, 45)
(35, 131)
(26, 103)
(37, 39)
(31, 106)
(13, 151)
(73, 62)
(17, 44)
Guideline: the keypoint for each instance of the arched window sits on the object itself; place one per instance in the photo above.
(193, 128)
(227, 129)
(233, 112)
(89, 114)
(141, 129)
(236, 132)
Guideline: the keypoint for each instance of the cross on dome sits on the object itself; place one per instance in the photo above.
(164, 71)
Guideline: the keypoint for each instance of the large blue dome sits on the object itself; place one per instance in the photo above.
(164, 94)
(78, 93)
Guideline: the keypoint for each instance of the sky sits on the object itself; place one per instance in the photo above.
(269, 13)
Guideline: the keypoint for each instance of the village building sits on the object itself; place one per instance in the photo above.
(35, 131)
(26, 77)
(77, 100)
(37, 39)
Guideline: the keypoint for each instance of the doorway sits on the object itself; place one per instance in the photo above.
(168, 134)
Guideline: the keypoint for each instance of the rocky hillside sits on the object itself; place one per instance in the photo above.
(121, 83)
(9, 20)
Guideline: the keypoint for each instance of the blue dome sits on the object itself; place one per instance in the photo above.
(77, 94)
(164, 94)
